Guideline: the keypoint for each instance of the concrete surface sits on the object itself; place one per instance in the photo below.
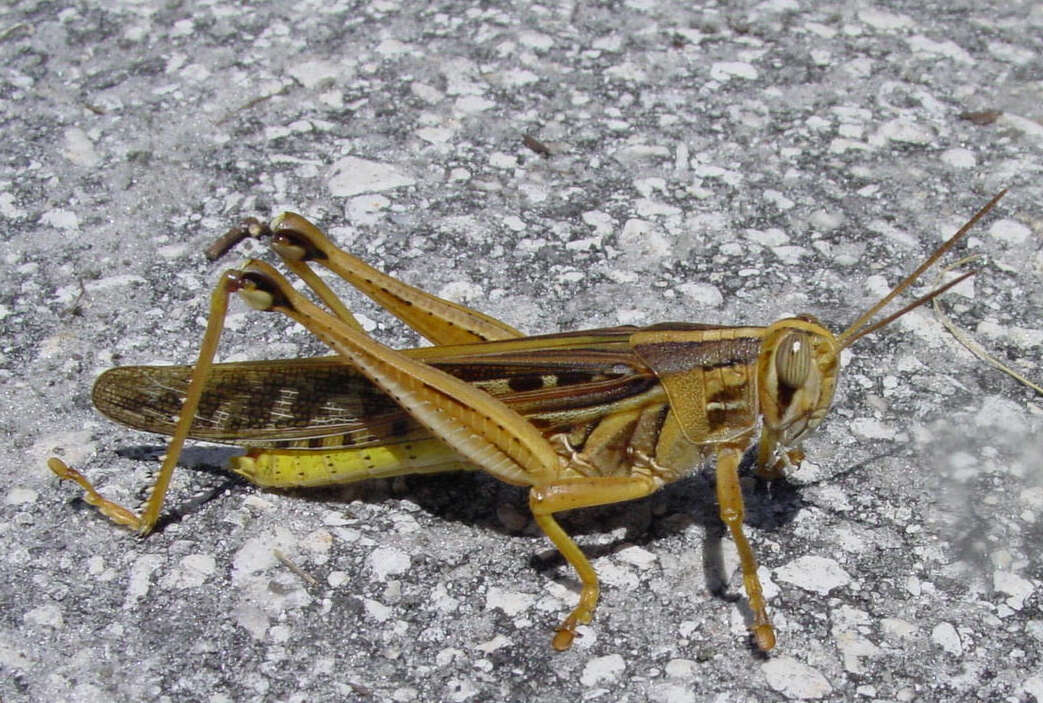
(726, 163)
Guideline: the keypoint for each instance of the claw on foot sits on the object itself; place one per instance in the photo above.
(777, 470)
(563, 639)
(764, 636)
(114, 511)
(565, 634)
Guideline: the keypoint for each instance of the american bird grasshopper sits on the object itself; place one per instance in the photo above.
(582, 418)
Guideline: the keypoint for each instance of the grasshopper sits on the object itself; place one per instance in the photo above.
(581, 418)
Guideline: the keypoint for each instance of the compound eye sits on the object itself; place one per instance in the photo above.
(793, 360)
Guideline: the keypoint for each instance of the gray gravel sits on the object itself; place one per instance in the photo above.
(728, 164)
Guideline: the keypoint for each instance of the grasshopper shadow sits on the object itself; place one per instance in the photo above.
(209, 460)
(472, 498)
(475, 498)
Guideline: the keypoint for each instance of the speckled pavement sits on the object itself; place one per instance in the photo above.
(722, 163)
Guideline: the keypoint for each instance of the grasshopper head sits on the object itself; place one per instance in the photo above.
(797, 374)
(799, 358)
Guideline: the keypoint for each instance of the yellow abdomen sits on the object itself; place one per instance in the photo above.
(284, 468)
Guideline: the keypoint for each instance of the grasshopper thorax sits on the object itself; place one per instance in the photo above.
(796, 376)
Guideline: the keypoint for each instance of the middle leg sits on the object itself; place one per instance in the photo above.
(568, 494)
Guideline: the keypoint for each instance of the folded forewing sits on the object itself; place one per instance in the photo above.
(323, 403)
